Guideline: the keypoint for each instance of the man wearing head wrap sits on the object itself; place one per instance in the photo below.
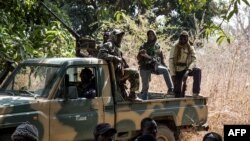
(182, 64)
(110, 51)
(150, 59)
(25, 132)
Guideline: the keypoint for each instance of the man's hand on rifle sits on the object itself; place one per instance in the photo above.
(143, 53)
(118, 58)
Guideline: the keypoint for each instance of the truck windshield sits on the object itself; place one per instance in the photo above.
(30, 81)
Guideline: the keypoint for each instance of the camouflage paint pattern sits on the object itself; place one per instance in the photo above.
(75, 119)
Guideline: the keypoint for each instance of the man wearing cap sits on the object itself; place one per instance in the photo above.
(25, 132)
(182, 63)
(104, 132)
(110, 51)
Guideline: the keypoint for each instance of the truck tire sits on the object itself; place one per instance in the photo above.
(164, 133)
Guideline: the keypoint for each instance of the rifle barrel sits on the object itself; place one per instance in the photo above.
(77, 36)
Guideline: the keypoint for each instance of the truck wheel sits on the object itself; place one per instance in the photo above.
(164, 134)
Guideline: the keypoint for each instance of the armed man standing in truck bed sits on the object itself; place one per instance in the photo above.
(110, 52)
(150, 60)
(182, 63)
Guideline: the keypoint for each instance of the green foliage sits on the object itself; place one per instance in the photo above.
(189, 6)
(26, 31)
(119, 15)
(212, 29)
(147, 3)
(233, 10)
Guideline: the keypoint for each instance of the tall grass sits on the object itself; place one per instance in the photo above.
(225, 81)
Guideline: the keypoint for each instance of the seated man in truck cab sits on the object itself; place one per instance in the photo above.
(87, 87)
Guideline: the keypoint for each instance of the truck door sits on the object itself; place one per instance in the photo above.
(72, 116)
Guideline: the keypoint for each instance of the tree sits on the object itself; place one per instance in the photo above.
(27, 32)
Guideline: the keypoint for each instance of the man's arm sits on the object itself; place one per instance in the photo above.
(171, 61)
(104, 53)
(193, 58)
(162, 59)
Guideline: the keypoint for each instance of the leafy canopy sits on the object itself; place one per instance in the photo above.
(28, 30)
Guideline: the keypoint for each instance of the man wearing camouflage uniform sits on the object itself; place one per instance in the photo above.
(150, 59)
(182, 64)
(110, 51)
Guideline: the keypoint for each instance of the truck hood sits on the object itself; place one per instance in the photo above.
(12, 104)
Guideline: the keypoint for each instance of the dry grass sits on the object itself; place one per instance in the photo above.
(225, 80)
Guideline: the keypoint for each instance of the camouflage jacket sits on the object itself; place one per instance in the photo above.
(185, 60)
(154, 51)
(108, 51)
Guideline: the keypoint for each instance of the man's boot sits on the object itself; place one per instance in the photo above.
(133, 97)
(170, 94)
(196, 95)
(144, 95)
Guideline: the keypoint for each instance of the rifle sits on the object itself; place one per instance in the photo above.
(152, 60)
(81, 43)
(183, 88)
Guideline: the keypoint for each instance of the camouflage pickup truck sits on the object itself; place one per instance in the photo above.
(43, 92)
